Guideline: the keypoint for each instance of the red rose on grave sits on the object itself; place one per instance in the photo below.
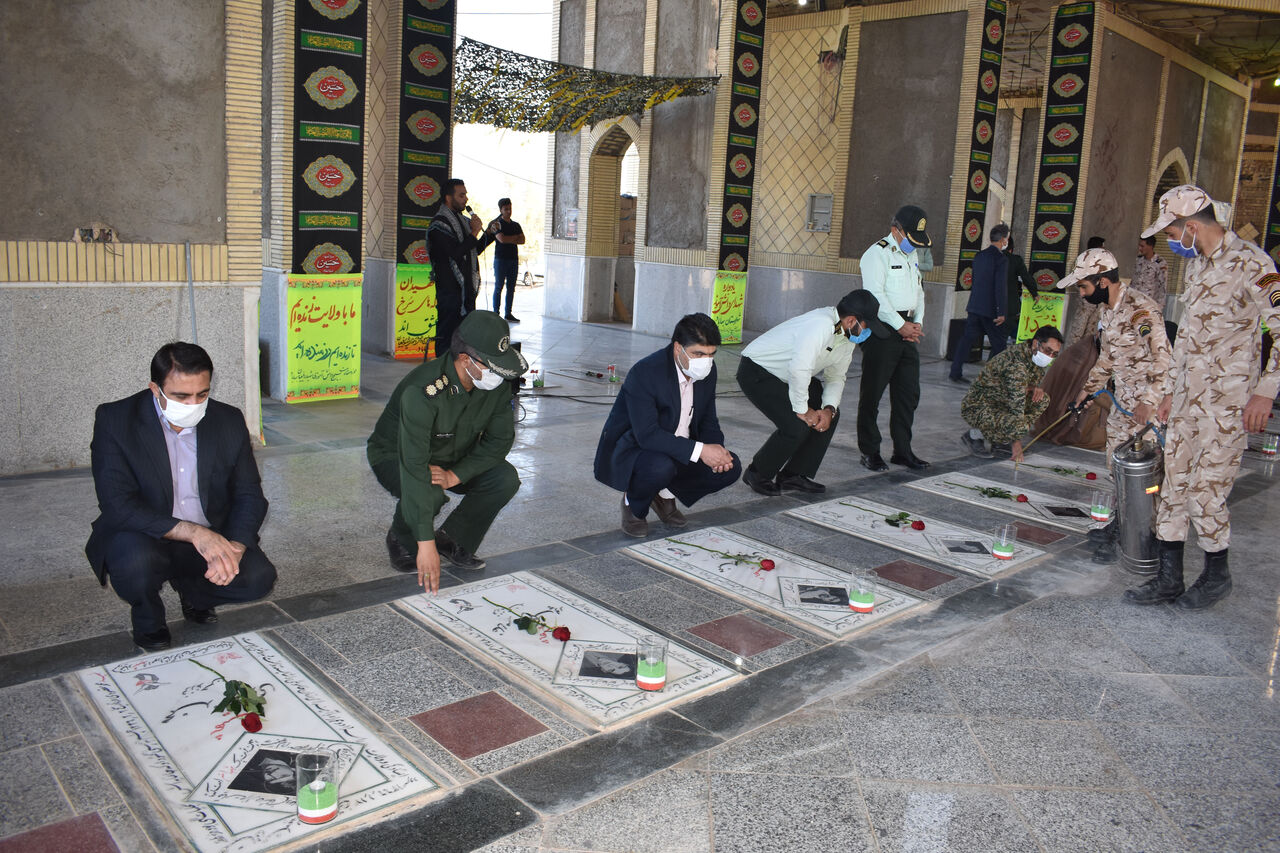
(1091, 476)
(561, 633)
(767, 565)
(917, 525)
(251, 722)
(1022, 499)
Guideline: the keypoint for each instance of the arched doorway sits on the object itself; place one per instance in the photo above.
(610, 228)
(1173, 172)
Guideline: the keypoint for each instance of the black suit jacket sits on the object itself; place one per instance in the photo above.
(134, 482)
(645, 416)
(989, 294)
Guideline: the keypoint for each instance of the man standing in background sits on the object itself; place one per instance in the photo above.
(1151, 273)
(508, 234)
(988, 297)
(454, 243)
(1018, 279)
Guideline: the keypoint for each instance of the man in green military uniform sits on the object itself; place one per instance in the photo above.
(449, 425)
(1006, 398)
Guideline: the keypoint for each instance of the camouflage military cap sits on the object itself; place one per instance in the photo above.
(490, 336)
(1177, 203)
(1092, 262)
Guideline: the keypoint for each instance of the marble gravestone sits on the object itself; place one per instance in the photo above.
(798, 589)
(1077, 473)
(586, 674)
(226, 788)
(1038, 506)
(940, 541)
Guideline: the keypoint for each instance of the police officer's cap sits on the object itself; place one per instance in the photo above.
(912, 221)
(863, 305)
(490, 336)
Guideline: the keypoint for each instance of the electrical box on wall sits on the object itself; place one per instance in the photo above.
(818, 213)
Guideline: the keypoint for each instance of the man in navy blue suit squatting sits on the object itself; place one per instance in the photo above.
(662, 440)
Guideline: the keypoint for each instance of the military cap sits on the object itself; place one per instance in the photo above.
(1178, 203)
(490, 336)
(1091, 262)
(863, 305)
(912, 221)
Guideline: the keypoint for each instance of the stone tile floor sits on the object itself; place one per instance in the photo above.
(1029, 712)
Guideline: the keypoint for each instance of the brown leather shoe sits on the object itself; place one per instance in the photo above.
(669, 513)
(632, 526)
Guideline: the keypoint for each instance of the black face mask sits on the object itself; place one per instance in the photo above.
(1098, 297)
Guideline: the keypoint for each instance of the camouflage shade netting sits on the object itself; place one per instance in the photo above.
(506, 89)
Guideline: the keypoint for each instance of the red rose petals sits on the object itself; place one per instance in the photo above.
(561, 633)
(767, 565)
(251, 722)
(1091, 476)
(1022, 499)
(917, 525)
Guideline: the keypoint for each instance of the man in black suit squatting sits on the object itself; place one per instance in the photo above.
(180, 498)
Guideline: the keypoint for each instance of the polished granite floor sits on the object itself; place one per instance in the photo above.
(1031, 712)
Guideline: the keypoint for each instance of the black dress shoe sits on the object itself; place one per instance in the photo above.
(511, 318)
(874, 462)
(152, 641)
(915, 463)
(457, 555)
(632, 526)
(799, 483)
(960, 380)
(401, 559)
(197, 615)
(759, 484)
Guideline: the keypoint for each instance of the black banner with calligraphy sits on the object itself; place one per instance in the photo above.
(744, 128)
(426, 120)
(1057, 188)
(982, 140)
(1271, 236)
(328, 158)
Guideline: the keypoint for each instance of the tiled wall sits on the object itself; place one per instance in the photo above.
(798, 139)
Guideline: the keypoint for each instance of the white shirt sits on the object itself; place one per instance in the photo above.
(686, 409)
(800, 348)
(181, 445)
(893, 278)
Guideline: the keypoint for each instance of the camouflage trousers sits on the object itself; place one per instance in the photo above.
(998, 424)
(1201, 459)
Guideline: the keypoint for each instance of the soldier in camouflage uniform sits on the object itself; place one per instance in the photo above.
(1134, 352)
(1005, 399)
(1217, 395)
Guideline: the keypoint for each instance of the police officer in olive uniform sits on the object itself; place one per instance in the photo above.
(449, 425)
(891, 273)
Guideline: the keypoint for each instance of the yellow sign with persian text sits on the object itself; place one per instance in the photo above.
(415, 320)
(323, 337)
(1046, 310)
(728, 299)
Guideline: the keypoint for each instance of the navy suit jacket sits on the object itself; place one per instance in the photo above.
(134, 481)
(645, 416)
(989, 295)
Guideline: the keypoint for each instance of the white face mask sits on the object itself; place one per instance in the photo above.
(699, 368)
(1041, 359)
(183, 415)
(487, 381)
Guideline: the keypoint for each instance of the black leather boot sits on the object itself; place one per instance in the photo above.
(1213, 585)
(1167, 584)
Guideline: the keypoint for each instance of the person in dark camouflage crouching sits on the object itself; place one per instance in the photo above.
(1006, 398)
